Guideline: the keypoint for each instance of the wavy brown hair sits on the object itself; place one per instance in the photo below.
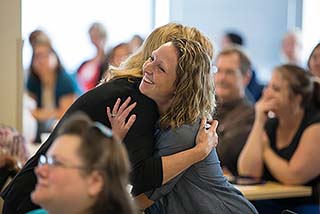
(132, 67)
(194, 95)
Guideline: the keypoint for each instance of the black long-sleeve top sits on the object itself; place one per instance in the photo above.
(146, 173)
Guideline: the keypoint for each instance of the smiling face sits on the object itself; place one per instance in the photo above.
(59, 187)
(279, 92)
(229, 81)
(159, 75)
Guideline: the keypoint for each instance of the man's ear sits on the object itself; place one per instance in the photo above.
(95, 183)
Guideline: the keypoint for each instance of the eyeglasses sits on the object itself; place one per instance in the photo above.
(228, 72)
(52, 161)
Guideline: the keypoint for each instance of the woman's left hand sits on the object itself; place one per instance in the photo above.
(118, 118)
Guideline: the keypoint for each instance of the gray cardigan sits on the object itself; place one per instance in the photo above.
(202, 188)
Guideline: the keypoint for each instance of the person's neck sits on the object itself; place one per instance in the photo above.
(100, 55)
(289, 119)
(163, 106)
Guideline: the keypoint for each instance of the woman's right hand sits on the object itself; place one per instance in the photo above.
(207, 138)
(118, 118)
(263, 107)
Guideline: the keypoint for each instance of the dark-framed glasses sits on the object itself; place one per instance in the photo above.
(53, 162)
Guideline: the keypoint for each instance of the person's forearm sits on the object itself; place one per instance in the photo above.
(42, 114)
(281, 169)
(250, 161)
(175, 164)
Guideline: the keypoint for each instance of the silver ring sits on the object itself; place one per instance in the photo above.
(113, 115)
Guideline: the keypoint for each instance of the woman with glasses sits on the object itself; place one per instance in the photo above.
(147, 172)
(85, 171)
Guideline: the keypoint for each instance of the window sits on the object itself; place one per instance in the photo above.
(67, 24)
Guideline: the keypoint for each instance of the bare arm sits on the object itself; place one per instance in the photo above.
(303, 166)
(250, 162)
(46, 114)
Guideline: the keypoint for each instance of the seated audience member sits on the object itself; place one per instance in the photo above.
(285, 148)
(90, 71)
(135, 43)
(254, 87)
(35, 37)
(86, 170)
(114, 58)
(291, 48)
(234, 111)
(314, 61)
(182, 87)
(50, 86)
(119, 54)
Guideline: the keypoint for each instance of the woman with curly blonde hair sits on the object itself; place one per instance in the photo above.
(147, 172)
(177, 77)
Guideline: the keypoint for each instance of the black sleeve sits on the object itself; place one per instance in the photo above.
(146, 171)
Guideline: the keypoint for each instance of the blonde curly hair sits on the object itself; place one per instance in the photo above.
(132, 67)
(194, 93)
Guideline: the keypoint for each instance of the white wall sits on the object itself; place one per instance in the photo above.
(10, 61)
(263, 23)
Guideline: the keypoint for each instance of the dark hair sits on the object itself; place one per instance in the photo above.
(111, 54)
(244, 61)
(313, 50)
(38, 36)
(106, 154)
(32, 70)
(235, 38)
(301, 82)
